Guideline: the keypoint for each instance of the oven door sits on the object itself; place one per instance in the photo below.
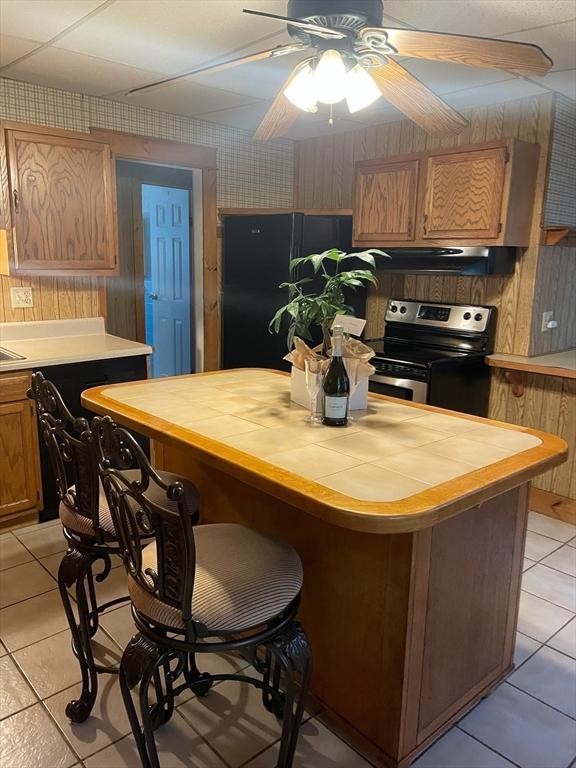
(405, 389)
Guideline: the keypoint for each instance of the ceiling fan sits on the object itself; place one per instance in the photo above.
(353, 59)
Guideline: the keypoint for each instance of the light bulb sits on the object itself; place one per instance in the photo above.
(361, 89)
(330, 77)
(301, 91)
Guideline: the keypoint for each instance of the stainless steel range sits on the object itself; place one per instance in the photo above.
(434, 353)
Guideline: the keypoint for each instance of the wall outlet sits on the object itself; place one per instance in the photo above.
(21, 298)
(548, 323)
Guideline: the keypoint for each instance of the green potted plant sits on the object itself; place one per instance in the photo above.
(307, 310)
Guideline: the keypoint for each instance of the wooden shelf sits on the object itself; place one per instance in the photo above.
(565, 236)
(536, 365)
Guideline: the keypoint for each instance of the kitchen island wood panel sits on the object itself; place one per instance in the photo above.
(410, 602)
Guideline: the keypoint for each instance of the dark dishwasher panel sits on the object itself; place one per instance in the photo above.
(71, 380)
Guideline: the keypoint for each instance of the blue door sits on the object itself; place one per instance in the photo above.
(167, 289)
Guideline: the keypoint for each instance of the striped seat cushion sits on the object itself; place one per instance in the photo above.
(243, 579)
(82, 525)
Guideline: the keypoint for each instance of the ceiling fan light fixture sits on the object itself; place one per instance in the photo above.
(330, 78)
(361, 89)
(301, 90)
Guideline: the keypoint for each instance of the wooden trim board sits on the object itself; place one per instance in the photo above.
(149, 149)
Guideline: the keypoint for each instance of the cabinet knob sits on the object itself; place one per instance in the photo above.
(16, 199)
(425, 224)
(154, 296)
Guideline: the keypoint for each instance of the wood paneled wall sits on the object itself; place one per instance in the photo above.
(324, 178)
(324, 175)
(548, 403)
(55, 298)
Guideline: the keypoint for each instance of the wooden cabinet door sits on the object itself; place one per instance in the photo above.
(19, 477)
(463, 194)
(385, 202)
(62, 202)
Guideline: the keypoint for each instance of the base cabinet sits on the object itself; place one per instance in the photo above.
(20, 486)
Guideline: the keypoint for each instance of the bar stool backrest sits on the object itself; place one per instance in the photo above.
(144, 507)
(72, 460)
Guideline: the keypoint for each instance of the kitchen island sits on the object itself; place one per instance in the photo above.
(410, 524)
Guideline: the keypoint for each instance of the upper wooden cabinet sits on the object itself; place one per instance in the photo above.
(481, 195)
(60, 195)
(463, 194)
(385, 206)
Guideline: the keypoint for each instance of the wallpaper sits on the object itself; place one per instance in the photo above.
(250, 174)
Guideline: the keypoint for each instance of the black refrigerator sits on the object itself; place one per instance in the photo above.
(256, 253)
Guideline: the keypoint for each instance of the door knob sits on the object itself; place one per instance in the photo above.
(154, 296)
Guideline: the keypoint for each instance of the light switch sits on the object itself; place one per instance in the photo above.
(21, 298)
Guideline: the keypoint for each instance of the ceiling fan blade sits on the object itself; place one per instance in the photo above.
(418, 102)
(313, 29)
(520, 58)
(281, 115)
(279, 50)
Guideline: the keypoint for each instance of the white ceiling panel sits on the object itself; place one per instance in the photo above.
(487, 18)
(186, 98)
(379, 112)
(247, 117)
(563, 82)
(263, 79)
(175, 35)
(12, 48)
(515, 88)
(42, 19)
(71, 71)
(557, 40)
(446, 78)
(307, 126)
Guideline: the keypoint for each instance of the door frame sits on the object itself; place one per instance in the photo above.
(202, 161)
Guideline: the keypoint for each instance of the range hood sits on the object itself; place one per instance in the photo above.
(450, 260)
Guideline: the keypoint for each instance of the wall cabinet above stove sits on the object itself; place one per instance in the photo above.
(472, 195)
(58, 201)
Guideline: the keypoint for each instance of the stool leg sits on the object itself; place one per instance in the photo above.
(74, 569)
(292, 652)
(141, 663)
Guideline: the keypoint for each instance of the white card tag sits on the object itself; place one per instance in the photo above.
(352, 325)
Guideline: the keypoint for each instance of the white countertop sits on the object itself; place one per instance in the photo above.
(58, 342)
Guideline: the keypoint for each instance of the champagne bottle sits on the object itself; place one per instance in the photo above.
(336, 385)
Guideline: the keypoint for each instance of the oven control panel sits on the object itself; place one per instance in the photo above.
(454, 317)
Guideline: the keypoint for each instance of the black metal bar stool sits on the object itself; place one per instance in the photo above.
(199, 589)
(88, 528)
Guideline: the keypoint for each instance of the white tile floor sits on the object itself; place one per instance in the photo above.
(528, 722)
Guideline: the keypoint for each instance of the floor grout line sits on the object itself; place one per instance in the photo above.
(532, 696)
(484, 743)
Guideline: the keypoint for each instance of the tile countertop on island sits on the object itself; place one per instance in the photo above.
(59, 342)
(399, 465)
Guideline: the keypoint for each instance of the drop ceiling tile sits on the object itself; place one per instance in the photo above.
(307, 126)
(480, 17)
(173, 36)
(447, 78)
(563, 82)
(556, 40)
(42, 19)
(13, 47)
(247, 117)
(71, 71)
(185, 98)
(508, 90)
(262, 79)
